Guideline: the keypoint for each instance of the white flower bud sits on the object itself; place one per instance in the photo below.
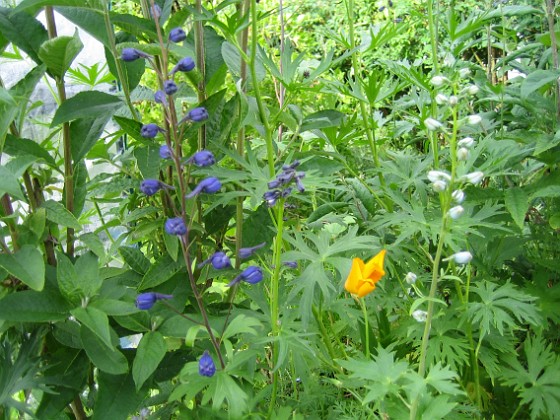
(473, 89)
(441, 99)
(410, 278)
(438, 80)
(453, 100)
(466, 142)
(462, 153)
(456, 212)
(474, 177)
(463, 257)
(434, 176)
(439, 186)
(420, 315)
(474, 119)
(432, 124)
(458, 196)
(449, 60)
(464, 72)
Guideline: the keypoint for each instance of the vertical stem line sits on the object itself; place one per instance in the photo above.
(201, 65)
(67, 145)
(366, 325)
(554, 47)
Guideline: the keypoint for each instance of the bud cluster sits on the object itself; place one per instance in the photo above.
(280, 187)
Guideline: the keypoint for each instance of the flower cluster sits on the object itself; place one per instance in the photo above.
(280, 187)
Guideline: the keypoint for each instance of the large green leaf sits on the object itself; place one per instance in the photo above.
(97, 322)
(32, 306)
(58, 214)
(9, 184)
(23, 90)
(66, 277)
(59, 53)
(23, 30)
(24, 147)
(27, 265)
(322, 119)
(117, 398)
(90, 21)
(517, 203)
(159, 273)
(89, 280)
(8, 112)
(538, 79)
(91, 104)
(151, 351)
(34, 5)
(108, 360)
(135, 259)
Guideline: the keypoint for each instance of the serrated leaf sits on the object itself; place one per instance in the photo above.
(58, 214)
(135, 259)
(96, 321)
(27, 265)
(517, 203)
(59, 53)
(151, 351)
(32, 306)
(90, 104)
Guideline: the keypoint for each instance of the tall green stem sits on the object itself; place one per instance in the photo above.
(201, 65)
(366, 325)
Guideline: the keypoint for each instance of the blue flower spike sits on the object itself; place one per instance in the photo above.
(145, 301)
(206, 366)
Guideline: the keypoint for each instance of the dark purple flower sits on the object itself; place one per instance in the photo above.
(299, 185)
(271, 197)
(177, 35)
(198, 114)
(202, 158)
(149, 131)
(218, 259)
(206, 366)
(292, 165)
(150, 186)
(274, 184)
(175, 226)
(155, 11)
(290, 264)
(165, 152)
(160, 98)
(185, 65)
(251, 275)
(169, 87)
(247, 252)
(132, 54)
(286, 192)
(145, 301)
(208, 185)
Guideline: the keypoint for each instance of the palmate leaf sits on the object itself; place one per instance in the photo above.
(502, 307)
(536, 380)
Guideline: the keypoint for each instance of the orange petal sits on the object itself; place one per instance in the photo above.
(374, 268)
(354, 279)
(366, 288)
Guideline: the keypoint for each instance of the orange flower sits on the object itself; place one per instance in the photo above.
(362, 277)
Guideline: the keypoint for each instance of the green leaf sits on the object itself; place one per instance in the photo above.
(537, 79)
(135, 259)
(114, 307)
(24, 147)
(227, 389)
(148, 160)
(32, 306)
(97, 322)
(84, 134)
(8, 112)
(517, 203)
(108, 360)
(117, 398)
(87, 267)
(34, 5)
(242, 324)
(66, 277)
(9, 184)
(27, 265)
(151, 351)
(59, 53)
(58, 214)
(24, 31)
(159, 273)
(90, 104)
(322, 119)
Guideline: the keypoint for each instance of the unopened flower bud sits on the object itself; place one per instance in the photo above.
(170, 87)
(208, 185)
(434, 176)
(251, 275)
(438, 81)
(132, 54)
(185, 65)
(473, 89)
(453, 100)
(410, 278)
(464, 72)
(456, 212)
(149, 131)
(474, 177)
(439, 186)
(150, 186)
(177, 35)
(467, 142)
(458, 196)
(432, 124)
(145, 301)
(441, 99)
(463, 257)
(474, 119)
(247, 252)
(165, 152)
(160, 98)
(420, 315)
(197, 114)
(462, 153)
(206, 366)
(175, 226)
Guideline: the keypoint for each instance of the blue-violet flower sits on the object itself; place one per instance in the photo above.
(185, 65)
(145, 301)
(177, 35)
(218, 259)
(206, 366)
(208, 185)
(149, 131)
(160, 98)
(132, 54)
(165, 152)
(247, 252)
(175, 226)
(251, 275)
(170, 87)
(198, 114)
(202, 158)
(151, 186)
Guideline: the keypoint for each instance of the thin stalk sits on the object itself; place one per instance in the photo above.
(366, 325)
(274, 299)
(554, 47)
(324, 334)
(201, 65)
(67, 145)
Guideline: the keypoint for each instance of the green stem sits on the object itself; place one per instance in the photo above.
(201, 66)
(324, 334)
(366, 325)
(274, 299)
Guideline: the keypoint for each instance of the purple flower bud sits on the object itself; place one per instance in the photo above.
(208, 185)
(175, 226)
(160, 98)
(247, 252)
(149, 131)
(220, 260)
(177, 35)
(271, 197)
(145, 301)
(150, 186)
(198, 114)
(292, 165)
(185, 65)
(206, 366)
(132, 54)
(202, 158)
(155, 11)
(251, 275)
(299, 185)
(165, 152)
(286, 192)
(290, 264)
(274, 184)
(169, 87)
(286, 176)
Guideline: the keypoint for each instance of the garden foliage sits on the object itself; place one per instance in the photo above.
(281, 210)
